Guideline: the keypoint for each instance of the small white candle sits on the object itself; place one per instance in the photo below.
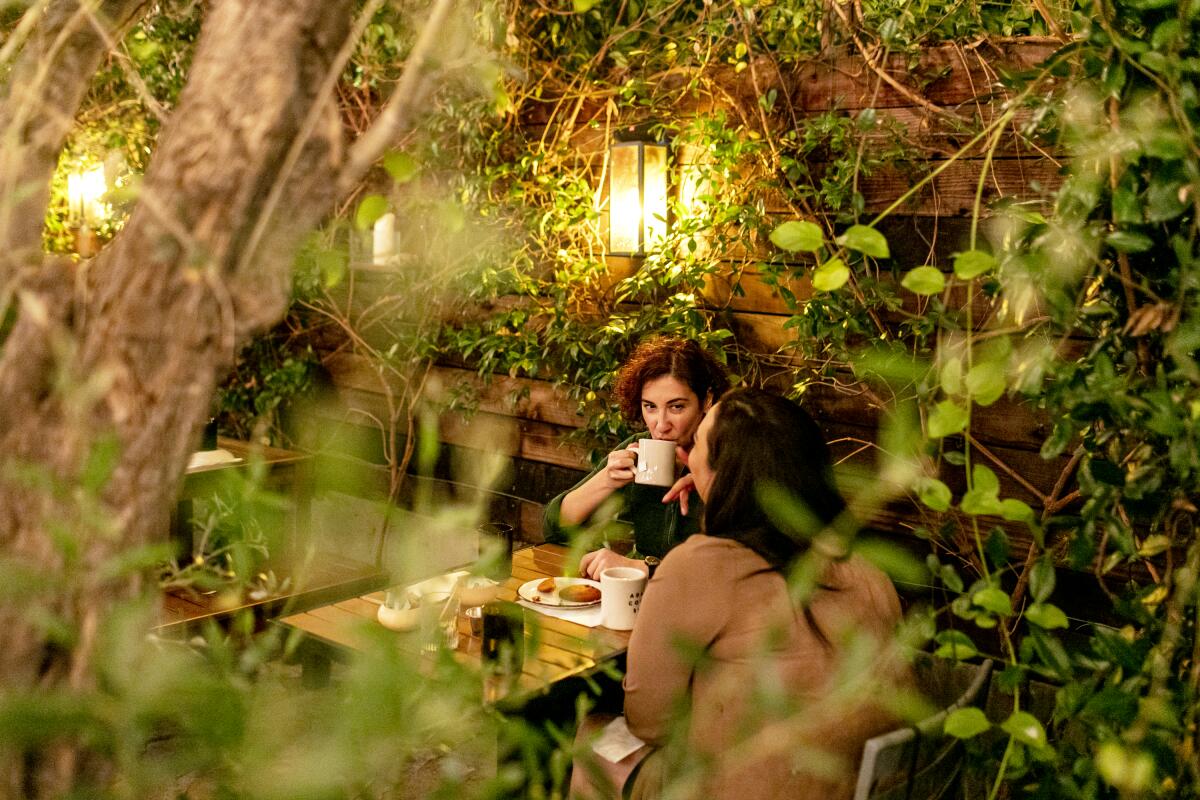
(383, 246)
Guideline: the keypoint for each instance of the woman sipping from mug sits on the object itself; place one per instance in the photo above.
(667, 384)
(739, 689)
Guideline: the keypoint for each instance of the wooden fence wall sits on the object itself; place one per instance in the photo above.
(528, 419)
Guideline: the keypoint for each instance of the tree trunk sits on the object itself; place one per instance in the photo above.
(126, 350)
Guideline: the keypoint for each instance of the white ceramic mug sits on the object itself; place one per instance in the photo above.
(621, 591)
(655, 462)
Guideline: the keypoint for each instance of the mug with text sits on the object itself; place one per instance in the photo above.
(621, 591)
(655, 462)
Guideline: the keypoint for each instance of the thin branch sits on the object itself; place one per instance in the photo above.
(305, 133)
(397, 113)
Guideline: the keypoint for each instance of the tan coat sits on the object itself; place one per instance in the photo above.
(765, 713)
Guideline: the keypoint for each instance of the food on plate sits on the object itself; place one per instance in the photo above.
(546, 585)
(579, 593)
(475, 590)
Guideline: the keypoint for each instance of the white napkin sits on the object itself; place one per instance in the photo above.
(206, 458)
(616, 742)
(589, 616)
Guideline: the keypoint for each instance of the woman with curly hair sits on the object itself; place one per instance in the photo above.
(739, 685)
(667, 384)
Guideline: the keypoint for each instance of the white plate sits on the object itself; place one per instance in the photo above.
(529, 591)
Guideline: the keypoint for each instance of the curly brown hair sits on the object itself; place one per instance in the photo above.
(682, 359)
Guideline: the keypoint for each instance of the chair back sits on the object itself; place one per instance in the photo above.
(920, 762)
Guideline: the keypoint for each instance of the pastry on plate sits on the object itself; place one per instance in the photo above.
(579, 593)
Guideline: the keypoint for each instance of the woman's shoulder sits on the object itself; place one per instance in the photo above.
(861, 578)
(700, 548)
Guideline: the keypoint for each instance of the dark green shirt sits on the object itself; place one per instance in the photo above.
(657, 526)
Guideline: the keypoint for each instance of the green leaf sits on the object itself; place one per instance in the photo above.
(1015, 510)
(1025, 728)
(899, 564)
(924, 280)
(950, 578)
(332, 266)
(584, 6)
(1153, 545)
(946, 419)
(1104, 471)
(951, 376)
(986, 382)
(972, 263)
(978, 501)
(934, 494)
(1163, 200)
(1129, 241)
(993, 599)
(956, 645)
(966, 723)
(370, 209)
(831, 275)
(401, 166)
(984, 479)
(1126, 206)
(1042, 579)
(997, 548)
(798, 236)
(1130, 770)
(1047, 616)
(865, 240)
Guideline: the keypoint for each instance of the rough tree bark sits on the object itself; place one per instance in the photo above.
(130, 347)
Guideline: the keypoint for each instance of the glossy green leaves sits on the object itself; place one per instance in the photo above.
(370, 209)
(954, 644)
(798, 236)
(972, 264)
(865, 240)
(831, 275)
(966, 723)
(947, 419)
(924, 281)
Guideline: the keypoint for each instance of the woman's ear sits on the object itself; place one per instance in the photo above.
(707, 405)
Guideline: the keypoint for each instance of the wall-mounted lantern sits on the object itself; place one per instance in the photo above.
(85, 210)
(637, 197)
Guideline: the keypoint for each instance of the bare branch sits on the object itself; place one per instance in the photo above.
(396, 115)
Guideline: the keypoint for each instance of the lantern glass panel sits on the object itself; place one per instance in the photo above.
(654, 206)
(624, 201)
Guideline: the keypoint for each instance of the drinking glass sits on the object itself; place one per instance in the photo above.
(496, 548)
(503, 640)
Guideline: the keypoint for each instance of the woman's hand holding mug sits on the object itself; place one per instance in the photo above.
(621, 466)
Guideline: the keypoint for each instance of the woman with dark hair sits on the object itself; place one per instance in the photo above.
(667, 384)
(738, 689)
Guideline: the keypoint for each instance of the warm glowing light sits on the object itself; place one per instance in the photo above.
(84, 190)
(637, 202)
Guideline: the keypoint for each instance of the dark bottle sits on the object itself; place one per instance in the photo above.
(503, 640)
(209, 440)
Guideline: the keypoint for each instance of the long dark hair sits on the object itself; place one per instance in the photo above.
(682, 359)
(760, 440)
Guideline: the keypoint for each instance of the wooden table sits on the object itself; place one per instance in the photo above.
(329, 577)
(311, 582)
(558, 650)
(287, 472)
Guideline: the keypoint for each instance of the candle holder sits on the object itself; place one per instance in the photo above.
(85, 241)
